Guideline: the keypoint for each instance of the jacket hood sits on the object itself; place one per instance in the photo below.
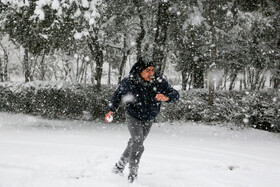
(140, 65)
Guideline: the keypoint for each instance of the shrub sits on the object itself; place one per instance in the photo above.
(255, 109)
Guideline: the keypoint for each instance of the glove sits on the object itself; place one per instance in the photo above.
(109, 117)
(161, 97)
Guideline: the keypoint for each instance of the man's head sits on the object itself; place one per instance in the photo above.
(145, 68)
(148, 73)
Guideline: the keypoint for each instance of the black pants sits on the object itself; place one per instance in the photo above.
(139, 130)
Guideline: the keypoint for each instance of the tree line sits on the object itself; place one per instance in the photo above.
(73, 39)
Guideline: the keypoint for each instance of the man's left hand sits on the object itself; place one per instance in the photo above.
(161, 97)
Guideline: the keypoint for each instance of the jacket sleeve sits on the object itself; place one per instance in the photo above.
(118, 94)
(167, 90)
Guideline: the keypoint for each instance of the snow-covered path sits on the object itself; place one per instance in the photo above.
(51, 153)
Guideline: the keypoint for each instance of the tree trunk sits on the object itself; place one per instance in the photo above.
(109, 68)
(276, 84)
(163, 64)
(244, 79)
(213, 52)
(190, 80)
(261, 81)
(82, 71)
(211, 91)
(257, 79)
(1, 71)
(85, 72)
(232, 81)
(184, 80)
(163, 19)
(225, 78)
(92, 73)
(124, 57)
(142, 33)
(6, 61)
(26, 66)
(99, 68)
(77, 67)
(97, 54)
(4, 66)
(66, 69)
(43, 69)
(141, 36)
(249, 78)
(276, 78)
(198, 76)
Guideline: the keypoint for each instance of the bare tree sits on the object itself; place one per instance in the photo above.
(162, 24)
(213, 52)
(26, 65)
(142, 32)
(4, 65)
(125, 54)
(97, 54)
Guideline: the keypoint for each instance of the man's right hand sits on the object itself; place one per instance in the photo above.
(161, 97)
(109, 117)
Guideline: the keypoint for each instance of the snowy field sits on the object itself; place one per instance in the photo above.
(36, 152)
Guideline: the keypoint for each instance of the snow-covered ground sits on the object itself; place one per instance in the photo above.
(36, 152)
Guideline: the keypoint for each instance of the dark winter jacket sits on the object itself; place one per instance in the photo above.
(140, 96)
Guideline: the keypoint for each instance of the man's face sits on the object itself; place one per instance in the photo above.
(148, 73)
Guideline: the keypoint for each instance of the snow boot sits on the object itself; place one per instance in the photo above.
(131, 178)
(133, 170)
(118, 169)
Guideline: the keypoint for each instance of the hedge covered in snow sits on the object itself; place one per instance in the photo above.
(242, 108)
(54, 100)
(62, 100)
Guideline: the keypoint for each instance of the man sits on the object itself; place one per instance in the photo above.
(143, 91)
